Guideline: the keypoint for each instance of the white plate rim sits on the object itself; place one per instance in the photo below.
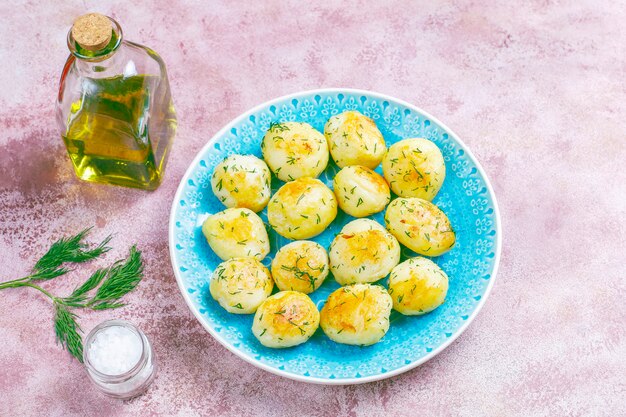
(342, 381)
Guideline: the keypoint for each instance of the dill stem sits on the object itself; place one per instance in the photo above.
(26, 278)
(18, 283)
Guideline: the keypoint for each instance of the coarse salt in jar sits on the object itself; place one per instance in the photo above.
(119, 359)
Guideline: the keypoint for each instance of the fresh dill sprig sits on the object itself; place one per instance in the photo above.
(121, 279)
(66, 329)
(80, 294)
(66, 250)
(114, 282)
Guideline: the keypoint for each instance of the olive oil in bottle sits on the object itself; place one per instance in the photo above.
(114, 107)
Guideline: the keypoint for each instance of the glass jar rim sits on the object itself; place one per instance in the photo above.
(117, 29)
(125, 375)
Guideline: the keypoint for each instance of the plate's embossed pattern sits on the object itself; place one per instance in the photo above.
(465, 197)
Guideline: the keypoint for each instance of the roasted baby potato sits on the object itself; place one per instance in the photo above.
(240, 285)
(354, 139)
(414, 168)
(302, 208)
(417, 286)
(242, 181)
(293, 150)
(236, 233)
(360, 191)
(357, 314)
(420, 226)
(285, 319)
(363, 252)
(300, 266)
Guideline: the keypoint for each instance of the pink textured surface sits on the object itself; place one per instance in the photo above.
(536, 90)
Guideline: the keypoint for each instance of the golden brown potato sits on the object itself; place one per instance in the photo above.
(360, 191)
(363, 252)
(240, 285)
(236, 233)
(414, 168)
(285, 319)
(420, 226)
(357, 314)
(302, 208)
(417, 286)
(354, 139)
(294, 150)
(300, 266)
(242, 181)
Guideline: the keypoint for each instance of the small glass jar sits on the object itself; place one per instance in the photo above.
(130, 383)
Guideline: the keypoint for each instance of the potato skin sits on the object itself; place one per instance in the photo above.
(236, 233)
(240, 285)
(302, 208)
(363, 252)
(417, 286)
(293, 150)
(357, 314)
(242, 181)
(354, 139)
(360, 191)
(420, 226)
(300, 266)
(287, 318)
(414, 168)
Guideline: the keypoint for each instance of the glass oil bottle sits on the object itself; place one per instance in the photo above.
(114, 106)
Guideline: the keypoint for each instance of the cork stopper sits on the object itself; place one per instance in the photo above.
(92, 31)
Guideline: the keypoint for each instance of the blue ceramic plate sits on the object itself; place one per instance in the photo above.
(466, 197)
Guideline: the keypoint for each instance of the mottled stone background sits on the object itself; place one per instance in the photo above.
(537, 90)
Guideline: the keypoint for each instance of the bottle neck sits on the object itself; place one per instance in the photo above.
(101, 63)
